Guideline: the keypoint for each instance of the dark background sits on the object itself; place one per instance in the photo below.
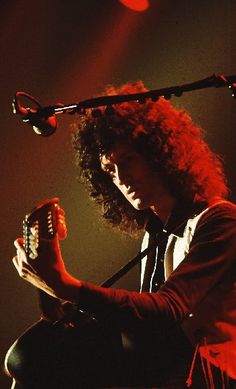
(67, 51)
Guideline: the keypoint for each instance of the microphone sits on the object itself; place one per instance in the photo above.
(42, 120)
(42, 125)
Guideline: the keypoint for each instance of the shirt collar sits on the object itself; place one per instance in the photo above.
(177, 220)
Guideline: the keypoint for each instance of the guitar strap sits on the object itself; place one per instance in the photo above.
(158, 238)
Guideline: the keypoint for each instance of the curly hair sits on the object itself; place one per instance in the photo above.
(165, 136)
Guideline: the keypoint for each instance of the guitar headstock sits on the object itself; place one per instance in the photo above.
(43, 222)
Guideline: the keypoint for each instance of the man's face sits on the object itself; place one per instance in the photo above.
(133, 176)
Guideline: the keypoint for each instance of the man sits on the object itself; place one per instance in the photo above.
(148, 168)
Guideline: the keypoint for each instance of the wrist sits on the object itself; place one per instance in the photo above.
(69, 288)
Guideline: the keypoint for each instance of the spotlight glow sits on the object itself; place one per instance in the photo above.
(136, 5)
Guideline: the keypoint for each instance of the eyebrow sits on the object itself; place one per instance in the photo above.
(123, 154)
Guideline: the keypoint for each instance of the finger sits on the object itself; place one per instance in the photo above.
(20, 251)
(18, 266)
(19, 248)
(23, 268)
(15, 262)
(19, 242)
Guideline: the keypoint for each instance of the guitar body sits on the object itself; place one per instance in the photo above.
(67, 355)
(85, 354)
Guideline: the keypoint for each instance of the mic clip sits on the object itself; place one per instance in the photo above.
(42, 120)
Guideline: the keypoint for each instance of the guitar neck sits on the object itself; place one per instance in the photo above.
(44, 222)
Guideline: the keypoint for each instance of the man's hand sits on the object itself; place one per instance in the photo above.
(45, 272)
(48, 271)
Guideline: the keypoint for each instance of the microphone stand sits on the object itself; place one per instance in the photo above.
(43, 118)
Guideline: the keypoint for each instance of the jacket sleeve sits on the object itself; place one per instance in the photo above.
(211, 255)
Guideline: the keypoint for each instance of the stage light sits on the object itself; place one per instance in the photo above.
(136, 5)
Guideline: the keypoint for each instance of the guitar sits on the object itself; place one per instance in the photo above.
(70, 348)
(45, 221)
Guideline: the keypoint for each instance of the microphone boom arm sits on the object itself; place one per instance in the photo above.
(44, 113)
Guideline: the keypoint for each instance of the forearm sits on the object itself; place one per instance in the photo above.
(126, 309)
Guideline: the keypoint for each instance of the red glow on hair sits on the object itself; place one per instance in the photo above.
(136, 5)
